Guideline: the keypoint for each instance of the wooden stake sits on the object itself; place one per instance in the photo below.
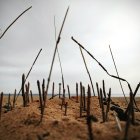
(89, 121)
(23, 93)
(102, 105)
(27, 93)
(98, 94)
(84, 98)
(88, 101)
(40, 97)
(43, 89)
(104, 89)
(31, 96)
(68, 91)
(108, 104)
(77, 92)
(53, 90)
(81, 99)
(14, 98)
(59, 90)
(1, 100)
(9, 107)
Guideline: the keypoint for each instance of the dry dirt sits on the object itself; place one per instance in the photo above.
(23, 123)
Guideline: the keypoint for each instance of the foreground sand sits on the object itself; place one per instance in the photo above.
(22, 123)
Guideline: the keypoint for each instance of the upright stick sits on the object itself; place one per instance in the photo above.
(40, 97)
(43, 89)
(23, 93)
(117, 73)
(89, 121)
(108, 104)
(104, 92)
(59, 90)
(14, 98)
(31, 96)
(57, 42)
(102, 105)
(1, 99)
(77, 92)
(53, 90)
(87, 70)
(68, 91)
(98, 94)
(81, 99)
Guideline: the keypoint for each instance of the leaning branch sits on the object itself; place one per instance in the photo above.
(57, 42)
(29, 72)
(14, 21)
(101, 64)
(87, 70)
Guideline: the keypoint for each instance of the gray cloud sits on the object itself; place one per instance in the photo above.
(95, 24)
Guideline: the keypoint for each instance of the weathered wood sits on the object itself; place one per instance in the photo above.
(81, 99)
(88, 101)
(127, 123)
(62, 103)
(89, 121)
(23, 93)
(50, 72)
(102, 105)
(68, 91)
(98, 94)
(43, 89)
(87, 71)
(29, 72)
(77, 92)
(59, 90)
(104, 92)
(1, 100)
(14, 21)
(108, 104)
(27, 87)
(84, 99)
(63, 83)
(9, 107)
(14, 98)
(53, 90)
(40, 96)
(31, 96)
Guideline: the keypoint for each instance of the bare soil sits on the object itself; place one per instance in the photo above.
(23, 123)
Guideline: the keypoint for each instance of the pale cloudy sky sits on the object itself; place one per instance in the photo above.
(94, 23)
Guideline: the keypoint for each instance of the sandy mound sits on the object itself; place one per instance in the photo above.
(23, 123)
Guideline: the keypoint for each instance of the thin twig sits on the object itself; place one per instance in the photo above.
(87, 70)
(117, 74)
(29, 72)
(14, 21)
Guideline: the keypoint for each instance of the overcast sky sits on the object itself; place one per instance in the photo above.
(96, 24)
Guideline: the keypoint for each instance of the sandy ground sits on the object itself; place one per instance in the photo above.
(23, 123)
